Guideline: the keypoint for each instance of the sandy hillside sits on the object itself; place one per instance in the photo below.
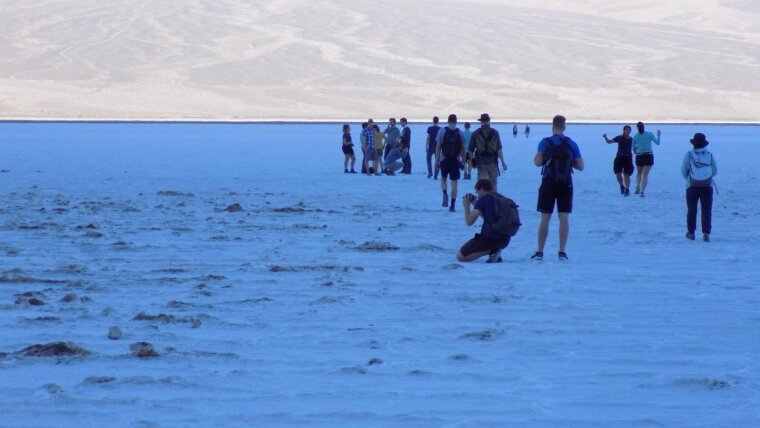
(336, 59)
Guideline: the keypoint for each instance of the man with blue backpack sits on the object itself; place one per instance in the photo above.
(449, 155)
(699, 168)
(557, 155)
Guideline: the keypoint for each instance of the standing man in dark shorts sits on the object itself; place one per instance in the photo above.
(488, 242)
(623, 163)
(406, 144)
(449, 154)
(430, 143)
(486, 149)
(557, 155)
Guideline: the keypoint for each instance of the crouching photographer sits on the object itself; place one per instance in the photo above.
(500, 223)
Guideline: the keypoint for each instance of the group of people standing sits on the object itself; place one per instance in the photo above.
(450, 150)
(388, 148)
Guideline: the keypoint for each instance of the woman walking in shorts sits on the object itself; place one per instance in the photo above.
(642, 147)
(348, 150)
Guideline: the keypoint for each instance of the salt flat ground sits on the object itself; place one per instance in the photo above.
(279, 316)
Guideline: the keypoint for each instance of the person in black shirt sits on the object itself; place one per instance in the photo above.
(348, 150)
(623, 163)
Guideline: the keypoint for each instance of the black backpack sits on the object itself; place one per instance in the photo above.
(507, 221)
(451, 145)
(558, 161)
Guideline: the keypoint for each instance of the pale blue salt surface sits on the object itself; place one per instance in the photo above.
(640, 328)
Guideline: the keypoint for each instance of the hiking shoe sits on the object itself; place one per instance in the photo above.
(627, 192)
(562, 255)
(430, 175)
(494, 257)
(538, 255)
(641, 194)
(352, 171)
(345, 171)
(638, 190)
(452, 209)
(445, 200)
(689, 236)
(622, 189)
(389, 172)
(706, 237)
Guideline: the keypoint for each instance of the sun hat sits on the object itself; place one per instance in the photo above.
(699, 140)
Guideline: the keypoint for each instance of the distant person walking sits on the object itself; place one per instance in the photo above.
(368, 145)
(622, 166)
(485, 147)
(642, 147)
(527, 131)
(449, 152)
(467, 154)
(348, 150)
(489, 241)
(406, 146)
(698, 168)
(514, 131)
(392, 135)
(557, 156)
(430, 144)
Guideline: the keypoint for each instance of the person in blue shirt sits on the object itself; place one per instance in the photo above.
(488, 242)
(449, 154)
(555, 189)
(623, 163)
(430, 142)
(394, 161)
(642, 147)
(367, 138)
(514, 131)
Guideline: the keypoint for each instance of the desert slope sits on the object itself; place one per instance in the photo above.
(336, 60)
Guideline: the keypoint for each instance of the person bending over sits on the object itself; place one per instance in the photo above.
(488, 242)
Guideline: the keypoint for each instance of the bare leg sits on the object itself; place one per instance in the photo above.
(638, 176)
(454, 189)
(471, 257)
(627, 181)
(645, 177)
(564, 230)
(619, 177)
(443, 184)
(353, 162)
(543, 230)
(345, 161)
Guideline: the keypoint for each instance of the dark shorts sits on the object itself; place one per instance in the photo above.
(623, 164)
(646, 159)
(550, 193)
(450, 168)
(348, 150)
(480, 243)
